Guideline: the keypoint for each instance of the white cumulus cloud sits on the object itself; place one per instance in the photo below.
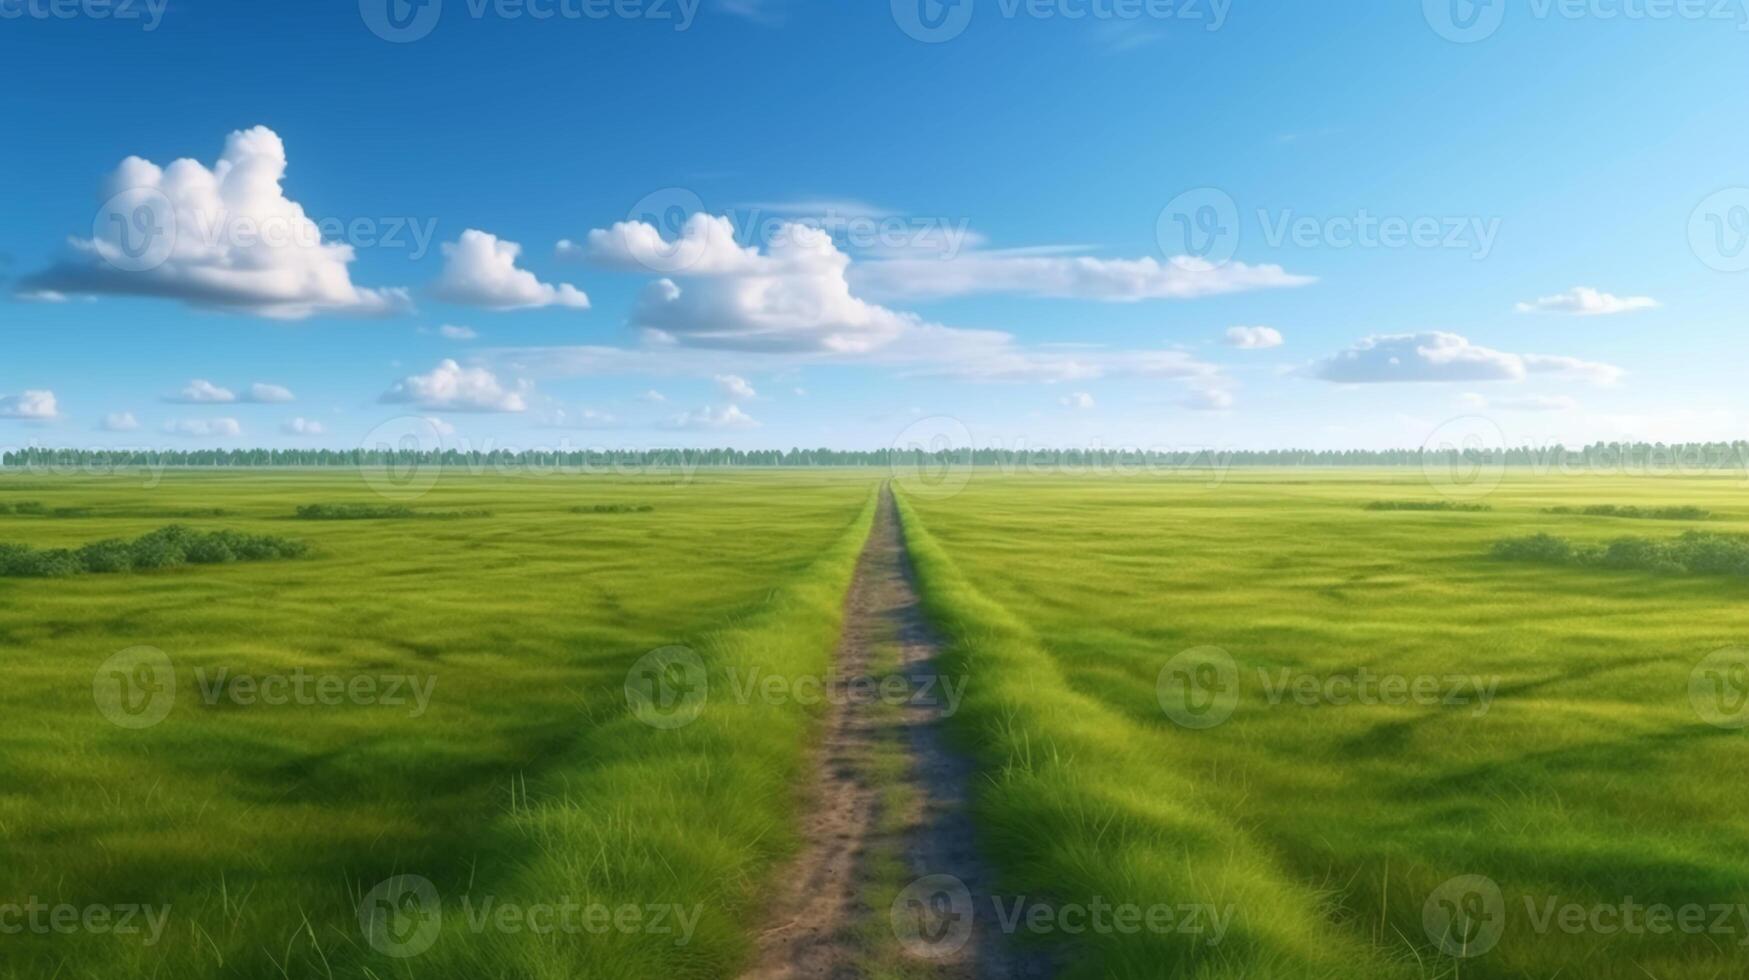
(1079, 400)
(302, 427)
(1441, 356)
(120, 422)
(203, 392)
(1253, 338)
(458, 389)
(266, 394)
(735, 386)
(728, 417)
(36, 405)
(204, 428)
(479, 269)
(1586, 301)
(1069, 277)
(223, 237)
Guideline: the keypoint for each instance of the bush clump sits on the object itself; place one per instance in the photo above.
(613, 509)
(36, 508)
(167, 547)
(1426, 505)
(363, 512)
(1692, 553)
(1643, 513)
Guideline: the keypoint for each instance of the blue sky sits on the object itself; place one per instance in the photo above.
(768, 224)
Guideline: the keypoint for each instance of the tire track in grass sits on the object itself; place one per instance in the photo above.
(886, 823)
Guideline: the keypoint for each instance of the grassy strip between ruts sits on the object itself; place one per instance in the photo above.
(1079, 807)
(693, 818)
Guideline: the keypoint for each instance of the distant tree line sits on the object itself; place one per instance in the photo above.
(1597, 456)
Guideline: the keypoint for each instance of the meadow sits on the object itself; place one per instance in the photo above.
(1278, 700)
(1320, 717)
(444, 699)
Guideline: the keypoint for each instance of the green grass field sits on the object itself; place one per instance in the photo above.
(522, 777)
(1323, 824)
(1166, 700)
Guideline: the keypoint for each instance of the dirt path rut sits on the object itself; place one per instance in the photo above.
(822, 923)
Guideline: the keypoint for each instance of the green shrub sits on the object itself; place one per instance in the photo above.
(1693, 553)
(613, 509)
(1630, 511)
(363, 512)
(1452, 505)
(167, 547)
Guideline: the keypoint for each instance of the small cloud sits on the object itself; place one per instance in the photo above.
(266, 394)
(43, 296)
(458, 389)
(729, 417)
(302, 427)
(1585, 301)
(440, 427)
(204, 428)
(36, 406)
(653, 396)
(203, 392)
(1080, 400)
(479, 269)
(120, 422)
(1253, 338)
(450, 331)
(1437, 356)
(1208, 400)
(735, 386)
(801, 392)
